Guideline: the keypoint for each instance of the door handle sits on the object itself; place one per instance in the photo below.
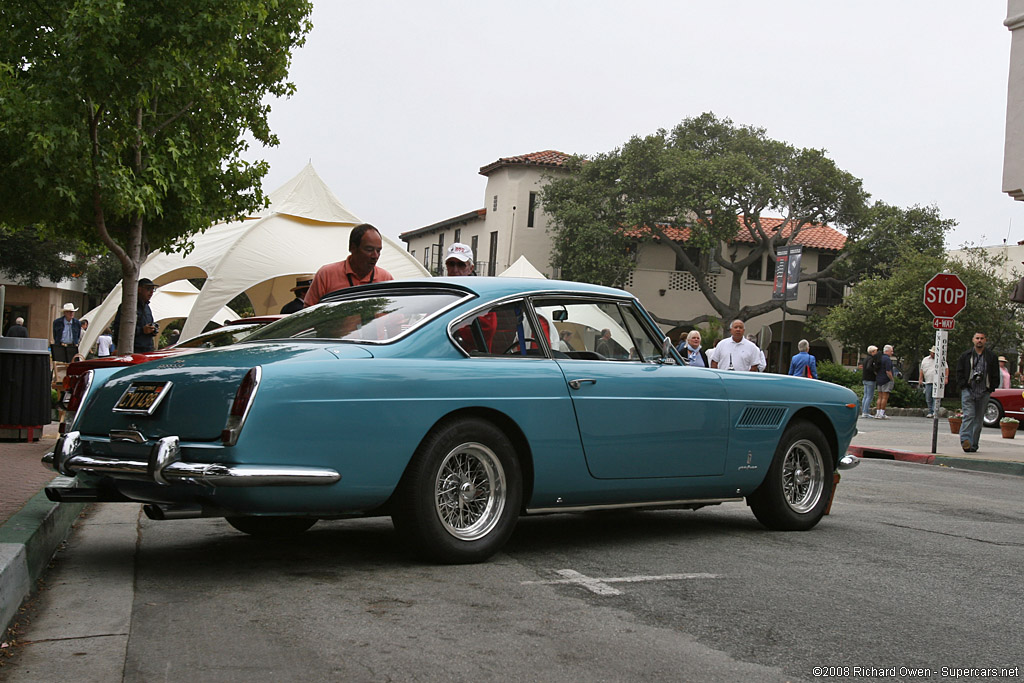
(575, 383)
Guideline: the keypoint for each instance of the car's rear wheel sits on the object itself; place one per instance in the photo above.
(271, 527)
(796, 490)
(459, 500)
(993, 413)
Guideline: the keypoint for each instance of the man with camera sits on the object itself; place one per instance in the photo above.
(146, 328)
(977, 374)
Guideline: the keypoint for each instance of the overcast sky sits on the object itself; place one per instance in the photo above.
(399, 104)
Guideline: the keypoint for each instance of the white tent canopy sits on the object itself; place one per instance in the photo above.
(522, 268)
(304, 227)
(170, 302)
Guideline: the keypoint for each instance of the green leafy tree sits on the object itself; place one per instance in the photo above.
(29, 254)
(122, 124)
(712, 177)
(890, 310)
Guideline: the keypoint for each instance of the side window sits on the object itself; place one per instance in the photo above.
(597, 330)
(504, 330)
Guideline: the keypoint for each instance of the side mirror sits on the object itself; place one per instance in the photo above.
(666, 351)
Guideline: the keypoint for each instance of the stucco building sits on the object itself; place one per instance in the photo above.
(512, 223)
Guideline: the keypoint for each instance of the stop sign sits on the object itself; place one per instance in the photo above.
(945, 295)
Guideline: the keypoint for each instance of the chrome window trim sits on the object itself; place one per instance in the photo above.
(532, 314)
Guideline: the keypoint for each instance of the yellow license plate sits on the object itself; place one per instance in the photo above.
(142, 398)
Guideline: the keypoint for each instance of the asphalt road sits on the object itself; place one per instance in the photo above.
(917, 567)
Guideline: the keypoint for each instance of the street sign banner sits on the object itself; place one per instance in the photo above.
(945, 295)
(943, 323)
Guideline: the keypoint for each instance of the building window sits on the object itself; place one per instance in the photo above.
(827, 294)
(851, 356)
(426, 257)
(495, 207)
(754, 270)
(531, 210)
(492, 254)
(704, 260)
(458, 234)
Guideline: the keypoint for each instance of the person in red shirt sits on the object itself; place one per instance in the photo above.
(360, 268)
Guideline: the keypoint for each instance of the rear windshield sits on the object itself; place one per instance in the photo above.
(216, 338)
(377, 319)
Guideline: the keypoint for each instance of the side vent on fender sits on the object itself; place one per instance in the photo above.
(758, 417)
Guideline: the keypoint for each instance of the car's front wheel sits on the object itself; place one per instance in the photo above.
(271, 527)
(459, 500)
(797, 488)
(993, 413)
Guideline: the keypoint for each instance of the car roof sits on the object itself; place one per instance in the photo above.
(492, 287)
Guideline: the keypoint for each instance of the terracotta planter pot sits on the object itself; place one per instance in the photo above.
(1008, 429)
(954, 424)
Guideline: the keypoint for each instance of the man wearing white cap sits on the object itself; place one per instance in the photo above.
(929, 376)
(67, 331)
(459, 260)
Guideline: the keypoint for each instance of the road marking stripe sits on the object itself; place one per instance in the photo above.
(601, 587)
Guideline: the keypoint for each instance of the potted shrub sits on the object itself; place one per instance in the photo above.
(955, 420)
(1008, 426)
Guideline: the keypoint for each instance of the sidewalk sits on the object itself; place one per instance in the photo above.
(32, 528)
(999, 455)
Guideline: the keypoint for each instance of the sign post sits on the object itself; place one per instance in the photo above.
(945, 295)
(784, 288)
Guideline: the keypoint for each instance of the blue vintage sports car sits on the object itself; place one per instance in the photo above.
(454, 406)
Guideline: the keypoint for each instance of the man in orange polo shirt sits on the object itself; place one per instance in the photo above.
(360, 268)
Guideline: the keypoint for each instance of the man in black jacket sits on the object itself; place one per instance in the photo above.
(977, 375)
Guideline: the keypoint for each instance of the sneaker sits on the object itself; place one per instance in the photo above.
(929, 415)
(865, 414)
(966, 445)
(883, 416)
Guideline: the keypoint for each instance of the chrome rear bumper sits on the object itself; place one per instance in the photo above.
(848, 461)
(165, 466)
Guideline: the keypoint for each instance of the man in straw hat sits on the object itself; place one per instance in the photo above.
(67, 331)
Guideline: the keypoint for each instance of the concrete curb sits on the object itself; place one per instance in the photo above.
(28, 541)
(956, 462)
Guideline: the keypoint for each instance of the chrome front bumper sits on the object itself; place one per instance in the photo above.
(165, 466)
(848, 461)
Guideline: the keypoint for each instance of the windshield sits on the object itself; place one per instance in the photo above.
(375, 318)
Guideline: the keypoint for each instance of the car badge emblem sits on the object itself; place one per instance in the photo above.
(748, 466)
(172, 364)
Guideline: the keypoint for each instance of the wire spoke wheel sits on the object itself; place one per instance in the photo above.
(470, 491)
(460, 497)
(796, 489)
(803, 476)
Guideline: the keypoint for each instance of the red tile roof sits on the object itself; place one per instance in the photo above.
(549, 158)
(812, 236)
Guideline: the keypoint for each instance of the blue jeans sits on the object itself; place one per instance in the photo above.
(974, 414)
(928, 388)
(869, 393)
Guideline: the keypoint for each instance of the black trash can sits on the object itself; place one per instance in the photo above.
(24, 382)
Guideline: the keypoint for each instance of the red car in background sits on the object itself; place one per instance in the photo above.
(1004, 403)
(231, 332)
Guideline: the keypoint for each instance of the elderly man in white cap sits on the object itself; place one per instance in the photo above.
(459, 260)
(67, 331)
(928, 377)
